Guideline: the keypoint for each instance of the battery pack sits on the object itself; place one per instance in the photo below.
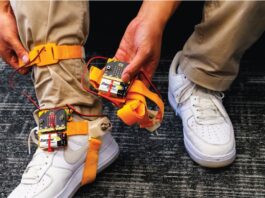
(111, 83)
(52, 140)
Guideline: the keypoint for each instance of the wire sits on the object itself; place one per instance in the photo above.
(11, 77)
(86, 68)
(141, 72)
(84, 115)
(30, 98)
(12, 84)
(150, 83)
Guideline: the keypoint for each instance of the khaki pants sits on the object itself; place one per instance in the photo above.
(210, 57)
(212, 54)
(63, 23)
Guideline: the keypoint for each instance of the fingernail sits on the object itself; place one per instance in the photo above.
(126, 77)
(25, 59)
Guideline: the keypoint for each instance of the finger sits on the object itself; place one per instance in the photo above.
(135, 66)
(124, 54)
(121, 55)
(10, 58)
(20, 51)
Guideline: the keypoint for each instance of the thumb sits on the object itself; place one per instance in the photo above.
(135, 66)
(20, 51)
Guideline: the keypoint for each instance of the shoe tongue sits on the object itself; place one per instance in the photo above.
(201, 92)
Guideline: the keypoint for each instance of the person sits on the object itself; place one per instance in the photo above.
(27, 24)
(207, 65)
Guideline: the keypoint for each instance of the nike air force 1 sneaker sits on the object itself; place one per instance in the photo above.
(207, 130)
(59, 173)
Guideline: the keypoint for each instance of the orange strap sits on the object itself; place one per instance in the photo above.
(135, 109)
(77, 128)
(51, 53)
(91, 163)
(95, 76)
(132, 112)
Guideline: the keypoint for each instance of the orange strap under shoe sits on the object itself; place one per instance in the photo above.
(51, 53)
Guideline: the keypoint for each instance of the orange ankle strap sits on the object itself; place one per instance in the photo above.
(57, 124)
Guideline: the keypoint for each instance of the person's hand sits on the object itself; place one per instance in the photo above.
(141, 42)
(140, 47)
(11, 48)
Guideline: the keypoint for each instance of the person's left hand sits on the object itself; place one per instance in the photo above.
(140, 47)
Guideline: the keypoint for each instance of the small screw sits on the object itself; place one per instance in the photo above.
(105, 126)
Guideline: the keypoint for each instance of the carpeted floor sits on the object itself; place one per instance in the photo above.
(152, 165)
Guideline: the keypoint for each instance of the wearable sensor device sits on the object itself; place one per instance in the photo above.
(111, 83)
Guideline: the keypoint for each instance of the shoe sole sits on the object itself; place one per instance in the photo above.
(203, 160)
(208, 161)
(108, 156)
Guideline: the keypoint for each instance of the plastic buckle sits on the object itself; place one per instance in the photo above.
(46, 56)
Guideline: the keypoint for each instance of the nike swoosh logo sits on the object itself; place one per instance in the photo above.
(97, 128)
(72, 156)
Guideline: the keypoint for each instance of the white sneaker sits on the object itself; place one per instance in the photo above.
(208, 131)
(59, 173)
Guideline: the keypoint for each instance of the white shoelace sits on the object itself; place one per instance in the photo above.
(205, 107)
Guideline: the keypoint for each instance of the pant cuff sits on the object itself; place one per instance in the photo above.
(202, 78)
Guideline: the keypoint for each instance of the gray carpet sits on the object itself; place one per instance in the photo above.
(152, 165)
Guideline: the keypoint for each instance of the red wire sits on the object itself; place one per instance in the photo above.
(12, 85)
(150, 82)
(86, 67)
(107, 98)
(11, 77)
(85, 115)
(24, 93)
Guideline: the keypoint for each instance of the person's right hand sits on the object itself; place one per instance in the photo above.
(11, 49)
